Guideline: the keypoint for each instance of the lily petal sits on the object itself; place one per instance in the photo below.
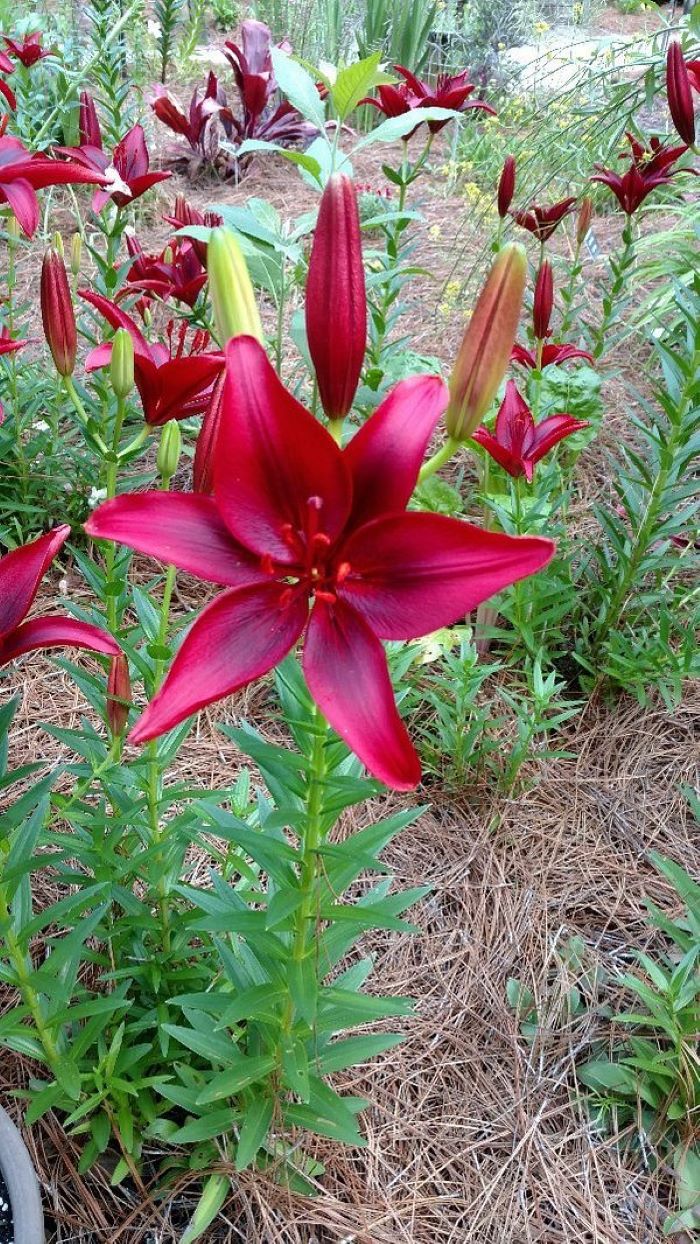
(273, 458)
(21, 572)
(346, 671)
(21, 197)
(179, 529)
(55, 631)
(241, 635)
(413, 573)
(549, 431)
(386, 454)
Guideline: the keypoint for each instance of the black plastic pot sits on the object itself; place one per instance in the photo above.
(22, 1184)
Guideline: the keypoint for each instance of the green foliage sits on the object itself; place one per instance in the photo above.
(225, 14)
(400, 30)
(169, 15)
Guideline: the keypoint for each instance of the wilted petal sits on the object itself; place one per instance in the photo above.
(413, 573)
(273, 458)
(179, 529)
(386, 454)
(237, 638)
(21, 572)
(346, 671)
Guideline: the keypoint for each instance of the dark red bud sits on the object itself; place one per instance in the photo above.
(57, 313)
(203, 466)
(88, 123)
(583, 223)
(679, 92)
(118, 694)
(544, 300)
(506, 186)
(336, 305)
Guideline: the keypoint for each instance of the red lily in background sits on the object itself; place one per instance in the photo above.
(679, 91)
(21, 572)
(6, 66)
(202, 107)
(309, 538)
(543, 302)
(185, 215)
(176, 273)
(8, 344)
(336, 303)
(130, 161)
(519, 442)
(29, 51)
(542, 221)
(450, 91)
(22, 174)
(649, 167)
(394, 101)
(173, 383)
(551, 353)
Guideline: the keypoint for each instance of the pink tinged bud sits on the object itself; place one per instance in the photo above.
(118, 694)
(484, 354)
(583, 223)
(543, 301)
(57, 313)
(679, 92)
(506, 186)
(336, 302)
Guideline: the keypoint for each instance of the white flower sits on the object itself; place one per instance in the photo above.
(96, 496)
(41, 425)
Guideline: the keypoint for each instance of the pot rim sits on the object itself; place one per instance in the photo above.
(22, 1184)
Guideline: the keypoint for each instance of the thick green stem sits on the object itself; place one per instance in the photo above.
(439, 458)
(612, 302)
(155, 777)
(30, 998)
(111, 488)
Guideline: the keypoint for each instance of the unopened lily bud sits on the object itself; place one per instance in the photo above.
(506, 186)
(233, 297)
(583, 224)
(122, 363)
(543, 301)
(484, 354)
(118, 694)
(57, 313)
(336, 302)
(680, 93)
(76, 254)
(203, 467)
(12, 229)
(168, 255)
(57, 243)
(169, 450)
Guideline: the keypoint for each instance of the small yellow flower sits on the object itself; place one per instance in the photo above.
(541, 27)
(435, 231)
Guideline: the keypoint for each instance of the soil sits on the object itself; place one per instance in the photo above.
(7, 1233)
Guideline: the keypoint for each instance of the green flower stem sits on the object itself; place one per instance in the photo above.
(335, 427)
(645, 532)
(568, 293)
(304, 919)
(439, 458)
(279, 334)
(82, 413)
(12, 246)
(22, 968)
(111, 488)
(612, 300)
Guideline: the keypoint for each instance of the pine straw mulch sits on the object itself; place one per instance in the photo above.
(473, 1134)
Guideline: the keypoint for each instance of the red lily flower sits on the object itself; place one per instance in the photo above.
(649, 167)
(185, 215)
(251, 62)
(542, 221)
(172, 384)
(680, 93)
(21, 572)
(394, 101)
(130, 161)
(519, 442)
(450, 91)
(506, 186)
(551, 353)
(202, 107)
(176, 273)
(6, 66)
(21, 175)
(311, 538)
(336, 304)
(8, 344)
(29, 51)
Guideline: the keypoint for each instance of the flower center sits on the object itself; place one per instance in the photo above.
(316, 565)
